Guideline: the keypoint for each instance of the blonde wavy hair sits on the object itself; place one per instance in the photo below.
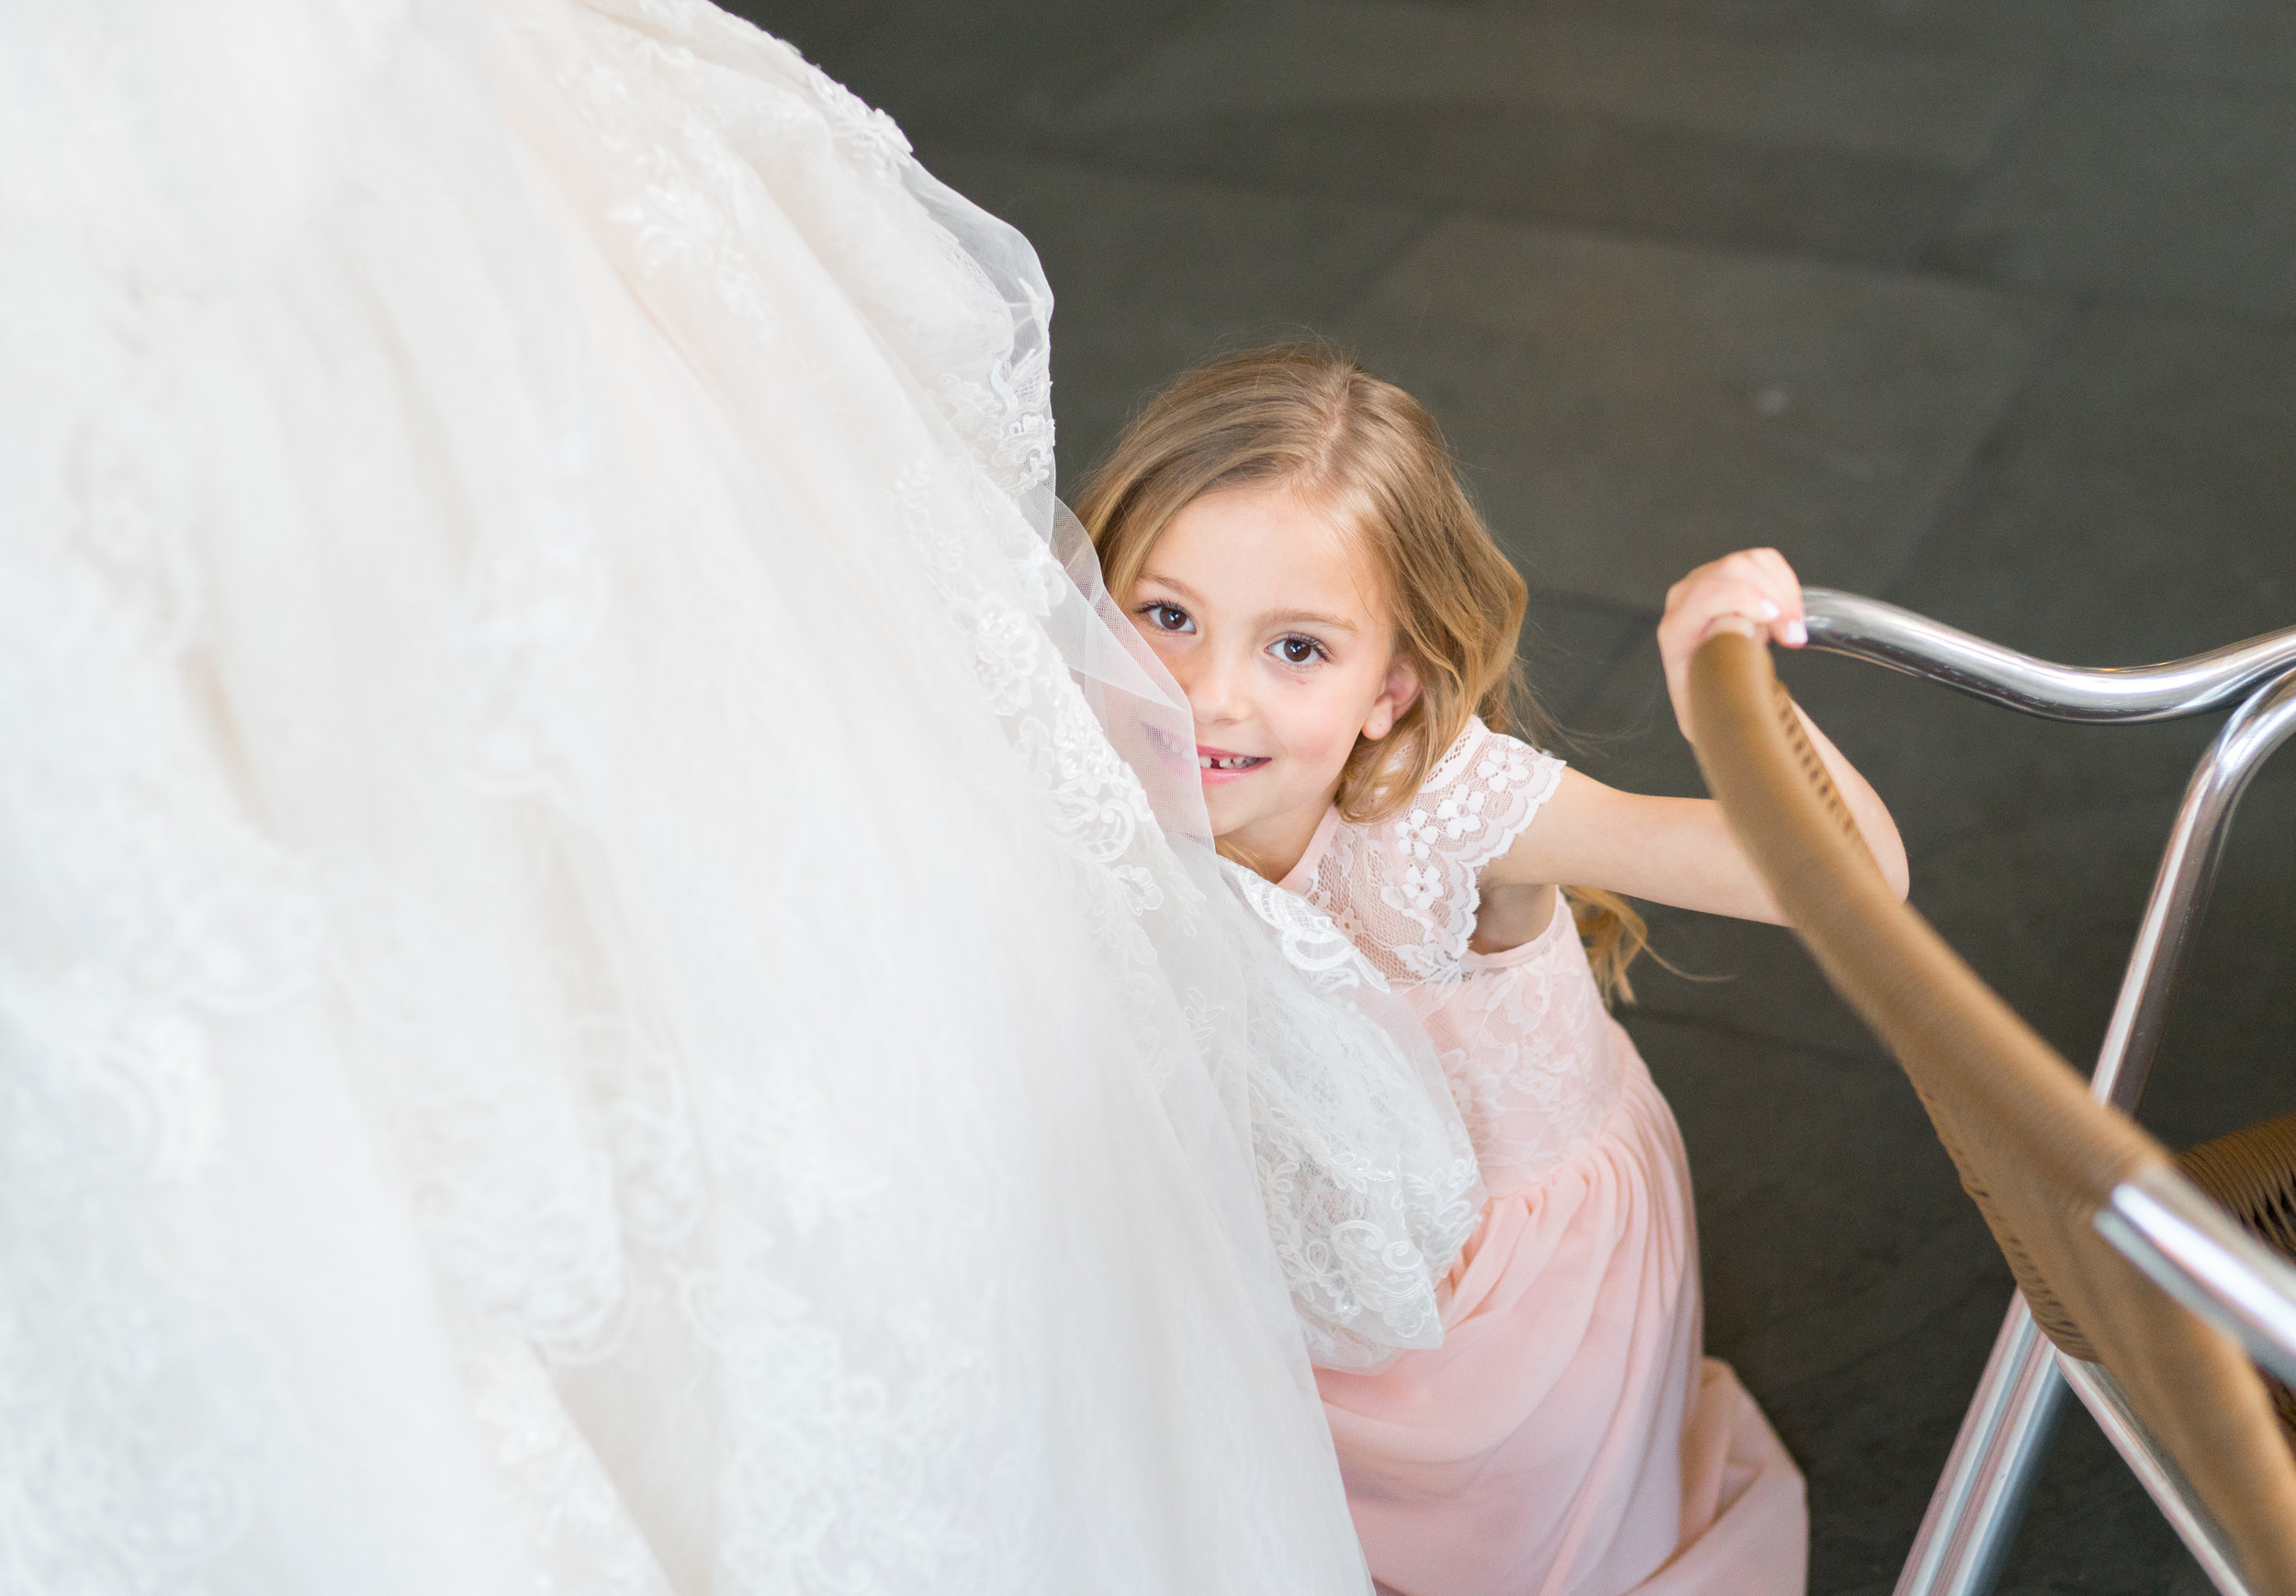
(1308, 416)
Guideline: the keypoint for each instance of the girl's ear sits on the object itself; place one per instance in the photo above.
(1394, 701)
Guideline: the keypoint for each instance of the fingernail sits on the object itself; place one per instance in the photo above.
(1796, 634)
(1769, 610)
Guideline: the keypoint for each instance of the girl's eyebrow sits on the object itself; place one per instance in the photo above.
(1164, 582)
(1289, 617)
(1311, 618)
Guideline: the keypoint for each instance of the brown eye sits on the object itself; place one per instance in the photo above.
(1298, 650)
(1168, 618)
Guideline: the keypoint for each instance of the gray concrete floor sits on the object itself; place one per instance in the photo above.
(1984, 306)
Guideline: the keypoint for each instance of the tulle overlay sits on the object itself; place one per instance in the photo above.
(585, 1002)
(1567, 1438)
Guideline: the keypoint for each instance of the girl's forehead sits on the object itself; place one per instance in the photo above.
(1265, 547)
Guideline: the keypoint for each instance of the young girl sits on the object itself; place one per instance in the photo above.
(1290, 536)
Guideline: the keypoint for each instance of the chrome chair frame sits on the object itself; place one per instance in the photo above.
(2197, 1253)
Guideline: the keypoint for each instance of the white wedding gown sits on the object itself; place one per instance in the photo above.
(586, 1004)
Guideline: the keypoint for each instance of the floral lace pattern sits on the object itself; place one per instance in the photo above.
(1404, 891)
(870, 134)
(90, 1498)
(1365, 1224)
(587, 1004)
(1530, 1052)
(1310, 941)
(1010, 413)
(1527, 1047)
(1366, 1196)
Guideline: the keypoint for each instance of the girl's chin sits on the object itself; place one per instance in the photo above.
(1229, 810)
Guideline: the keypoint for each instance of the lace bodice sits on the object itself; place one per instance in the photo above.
(1529, 1052)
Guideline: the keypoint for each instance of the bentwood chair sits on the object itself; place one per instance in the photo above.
(2152, 1298)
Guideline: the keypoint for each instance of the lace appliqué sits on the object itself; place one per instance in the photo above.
(531, 1241)
(1008, 415)
(1526, 1045)
(1310, 943)
(870, 134)
(1097, 805)
(691, 184)
(108, 1336)
(1441, 833)
(1369, 1196)
(574, 1522)
(1405, 891)
(1530, 1052)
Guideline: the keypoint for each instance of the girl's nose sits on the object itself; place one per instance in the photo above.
(1214, 687)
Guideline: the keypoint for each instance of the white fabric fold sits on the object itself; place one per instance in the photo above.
(585, 998)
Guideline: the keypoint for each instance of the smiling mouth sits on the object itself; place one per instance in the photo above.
(1172, 753)
(1215, 759)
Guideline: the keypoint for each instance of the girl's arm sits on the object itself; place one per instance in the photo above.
(1681, 850)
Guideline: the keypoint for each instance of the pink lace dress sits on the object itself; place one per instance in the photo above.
(1567, 1437)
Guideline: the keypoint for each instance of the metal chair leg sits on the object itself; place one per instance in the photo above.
(2156, 1472)
(1980, 1500)
(1974, 1512)
(2181, 888)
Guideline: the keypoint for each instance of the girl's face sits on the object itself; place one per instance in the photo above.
(1275, 627)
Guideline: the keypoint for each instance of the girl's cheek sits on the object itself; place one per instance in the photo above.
(1322, 734)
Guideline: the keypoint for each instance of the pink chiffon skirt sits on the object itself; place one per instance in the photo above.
(1568, 1439)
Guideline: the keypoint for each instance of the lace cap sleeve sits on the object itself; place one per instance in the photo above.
(1404, 890)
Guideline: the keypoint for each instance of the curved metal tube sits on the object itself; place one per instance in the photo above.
(2207, 1260)
(2180, 889)
(1869, 629)
(1981, 1496)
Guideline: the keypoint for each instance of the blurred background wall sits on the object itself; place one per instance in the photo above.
(1984, 307)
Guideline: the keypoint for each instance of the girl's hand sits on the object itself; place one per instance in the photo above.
(1682, 850)
(1752, 592)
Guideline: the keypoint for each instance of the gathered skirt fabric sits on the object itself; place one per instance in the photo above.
(1568, 1438)
(526, 588)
